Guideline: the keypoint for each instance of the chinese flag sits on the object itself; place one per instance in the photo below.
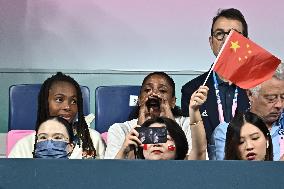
(244, 63)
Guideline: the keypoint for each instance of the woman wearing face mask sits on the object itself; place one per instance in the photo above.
(60, 95)
(54, 139)
(248, 139)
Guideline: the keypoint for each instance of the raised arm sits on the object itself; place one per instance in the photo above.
(199, 143)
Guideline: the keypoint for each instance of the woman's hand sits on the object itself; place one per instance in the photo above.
(165, 108)
(130, 143)
(198, 97)
(144, 113)
(199, 143)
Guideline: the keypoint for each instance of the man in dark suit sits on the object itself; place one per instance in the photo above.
(230, 97)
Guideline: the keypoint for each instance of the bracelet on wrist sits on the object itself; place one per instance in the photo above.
(195, 123)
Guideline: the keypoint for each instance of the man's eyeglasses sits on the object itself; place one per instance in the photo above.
(220, 34)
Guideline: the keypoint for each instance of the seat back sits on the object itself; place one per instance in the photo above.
(23, 100)
(13, 136)
(113, 104)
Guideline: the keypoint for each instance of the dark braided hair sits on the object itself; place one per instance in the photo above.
(176, 110)
(82, 130)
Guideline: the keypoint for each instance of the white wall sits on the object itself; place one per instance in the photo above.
(124, 34)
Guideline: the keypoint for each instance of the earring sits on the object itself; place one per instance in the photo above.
(267, 144)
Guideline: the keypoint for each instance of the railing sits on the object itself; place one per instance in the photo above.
(136, 174)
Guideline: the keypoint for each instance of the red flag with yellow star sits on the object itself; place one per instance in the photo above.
(244, 63)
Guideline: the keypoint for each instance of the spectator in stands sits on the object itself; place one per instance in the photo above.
(54, 139)
(232, 98)
(158, 90)
(248, 138)
(60, 95)
(267, 101)
(176, 146)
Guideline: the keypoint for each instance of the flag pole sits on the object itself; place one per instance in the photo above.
(219, 54)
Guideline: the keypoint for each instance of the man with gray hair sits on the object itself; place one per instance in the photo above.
(267, 101)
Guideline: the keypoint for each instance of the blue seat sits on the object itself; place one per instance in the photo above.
(23, 105)
(113, 104)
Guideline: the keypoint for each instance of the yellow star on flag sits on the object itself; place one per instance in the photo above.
(235, 45)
